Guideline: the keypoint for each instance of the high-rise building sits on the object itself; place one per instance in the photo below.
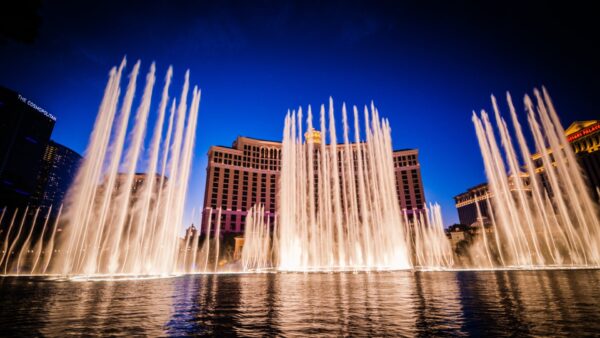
(468, 203)
(25, 130)
(584, 137)
(238, 177)
(58, 169)
(247, 173)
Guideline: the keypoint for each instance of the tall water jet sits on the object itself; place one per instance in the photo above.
(25, 245)
(116, 220)
(9, 256)
(40, 242)
(328, 223)
(195, 247)
(431, 247)
(6, 241)
(257, 253)
(543, 214)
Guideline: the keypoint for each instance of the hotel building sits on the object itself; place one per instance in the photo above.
(584, 137)
(466, 204)
(58, 170)
(25, 130)
(247, 173)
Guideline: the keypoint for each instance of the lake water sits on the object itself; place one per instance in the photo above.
(523, 303)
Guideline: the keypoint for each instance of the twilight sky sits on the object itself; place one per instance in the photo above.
(425, 64)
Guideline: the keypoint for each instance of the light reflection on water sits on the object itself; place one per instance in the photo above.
(341, 304)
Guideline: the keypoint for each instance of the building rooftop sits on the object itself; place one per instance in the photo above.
(278, 143)
(480, 186)
(579, 125)
(240, 137)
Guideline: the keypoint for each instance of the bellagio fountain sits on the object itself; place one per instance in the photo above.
(337, 204)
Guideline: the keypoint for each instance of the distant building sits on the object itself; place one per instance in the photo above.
(479, 197)
(458, 233)
(25, 130)
(191, 231)
(584, 137)
(58, 170)
(247, 173)
(139, 180)
(137, 187)
(409, 184)
(468, 202)
(461, 236)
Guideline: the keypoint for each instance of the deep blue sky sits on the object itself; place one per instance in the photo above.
(426, 65)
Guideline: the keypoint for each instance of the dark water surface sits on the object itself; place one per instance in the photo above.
(515, 303)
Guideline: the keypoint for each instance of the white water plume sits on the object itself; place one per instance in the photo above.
(431, 248)
(543, 216)
(257, 253)
(116, 220)
(338, 208)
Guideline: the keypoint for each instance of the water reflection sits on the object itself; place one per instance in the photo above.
(499, 303)
(532, 302)
(346, 304)
(438, 304)
(38, 307)
(259, 305)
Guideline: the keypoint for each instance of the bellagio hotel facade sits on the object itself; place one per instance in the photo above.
(247, 173)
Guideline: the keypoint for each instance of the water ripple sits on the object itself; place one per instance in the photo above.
(457, 303)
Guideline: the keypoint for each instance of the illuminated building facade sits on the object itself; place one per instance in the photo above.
(585, 138)
(247, 173)
(478, 197)
(466, 204)
(59, 167)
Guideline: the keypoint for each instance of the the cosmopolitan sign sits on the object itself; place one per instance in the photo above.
(583, 132)
(36, 107)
